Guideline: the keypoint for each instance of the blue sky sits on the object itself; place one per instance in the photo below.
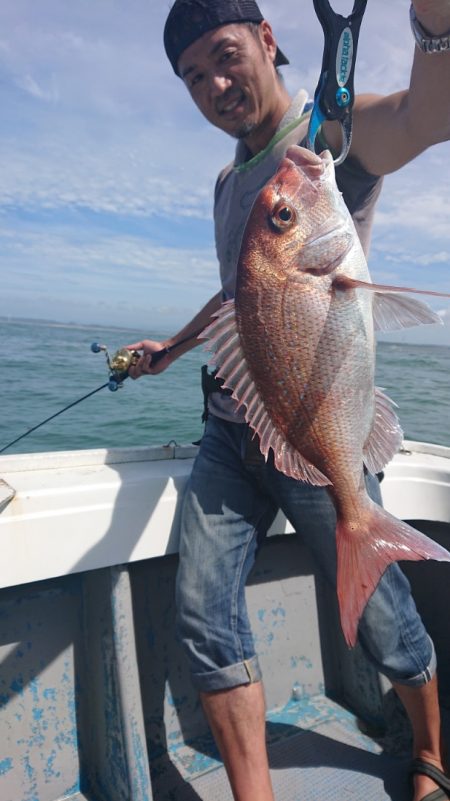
(108, 169)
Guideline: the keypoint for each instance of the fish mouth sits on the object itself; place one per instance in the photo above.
(326, 249)
(314, 169)
(327, 246)
(327, 231)
(312, 165)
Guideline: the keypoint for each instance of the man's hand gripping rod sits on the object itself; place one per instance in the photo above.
(334, 95)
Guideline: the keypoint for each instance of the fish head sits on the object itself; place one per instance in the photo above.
(299, 225)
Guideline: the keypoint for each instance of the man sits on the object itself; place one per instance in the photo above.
(227, 55)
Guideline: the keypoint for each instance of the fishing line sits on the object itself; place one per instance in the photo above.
(53, 416)
(118, 366)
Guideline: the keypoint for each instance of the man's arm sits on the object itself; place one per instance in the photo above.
(390, 131)
(189, 332)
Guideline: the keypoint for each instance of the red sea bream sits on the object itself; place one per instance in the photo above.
(297, 348)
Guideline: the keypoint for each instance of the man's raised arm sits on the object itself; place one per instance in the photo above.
(389, 131)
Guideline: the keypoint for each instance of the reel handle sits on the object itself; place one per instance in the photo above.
(97, 348)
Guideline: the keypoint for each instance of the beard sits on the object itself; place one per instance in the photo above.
(244, 130)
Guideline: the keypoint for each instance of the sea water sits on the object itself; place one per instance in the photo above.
(47, 366)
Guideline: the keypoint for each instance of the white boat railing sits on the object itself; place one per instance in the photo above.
(67, 512)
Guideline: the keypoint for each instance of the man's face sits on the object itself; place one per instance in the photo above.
(230, 75)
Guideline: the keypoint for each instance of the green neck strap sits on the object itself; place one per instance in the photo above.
(247, 165)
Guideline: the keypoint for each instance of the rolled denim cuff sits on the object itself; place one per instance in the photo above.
(425, 675)
(246, 672)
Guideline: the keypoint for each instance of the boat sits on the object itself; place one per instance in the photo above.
(96, 701)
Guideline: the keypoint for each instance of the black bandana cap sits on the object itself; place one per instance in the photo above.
(188, 20)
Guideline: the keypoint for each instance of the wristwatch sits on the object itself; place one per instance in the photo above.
(427, 42)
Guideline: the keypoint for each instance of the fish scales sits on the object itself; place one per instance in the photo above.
(274, 328)
(305, 362)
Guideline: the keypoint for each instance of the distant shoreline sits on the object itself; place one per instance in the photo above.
(12, 320)
(59, 324)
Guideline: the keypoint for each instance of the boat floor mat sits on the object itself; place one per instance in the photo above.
(316, 767)
(317, 752)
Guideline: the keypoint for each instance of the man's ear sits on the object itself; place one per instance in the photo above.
(268, 39)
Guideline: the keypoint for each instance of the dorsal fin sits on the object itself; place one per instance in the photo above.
(228, 355)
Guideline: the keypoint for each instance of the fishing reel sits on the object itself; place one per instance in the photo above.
(118, 365)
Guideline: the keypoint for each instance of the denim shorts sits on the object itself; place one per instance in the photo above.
(230, 502)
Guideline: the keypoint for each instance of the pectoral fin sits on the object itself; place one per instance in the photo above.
(345, 282)
(392, 311)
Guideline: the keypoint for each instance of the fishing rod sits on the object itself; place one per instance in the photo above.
(334, 95)
(118, 365)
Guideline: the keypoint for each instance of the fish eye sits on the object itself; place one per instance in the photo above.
(283, 216)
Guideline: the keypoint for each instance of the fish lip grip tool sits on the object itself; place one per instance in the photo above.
(334, 95)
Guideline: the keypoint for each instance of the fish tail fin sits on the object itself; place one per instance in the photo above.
(364, 554)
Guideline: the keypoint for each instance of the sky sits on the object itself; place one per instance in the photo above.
(108, 169)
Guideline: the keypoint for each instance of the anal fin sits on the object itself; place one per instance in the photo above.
(386, 435)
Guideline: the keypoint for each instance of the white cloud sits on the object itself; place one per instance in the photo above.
(127, 177)
(28, 84)
(424, 211)
(103, 256)
(425, 260)
(99, 277)
(93, 119)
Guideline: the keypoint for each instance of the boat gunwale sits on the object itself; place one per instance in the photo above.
(23, 462)
(49, 460)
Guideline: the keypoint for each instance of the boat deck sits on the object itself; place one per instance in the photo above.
(96, 703)
(317, 752)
